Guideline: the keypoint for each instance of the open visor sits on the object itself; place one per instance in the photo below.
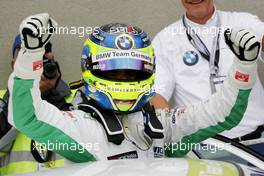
(120, 65)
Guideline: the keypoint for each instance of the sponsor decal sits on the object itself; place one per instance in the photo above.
(99, 67)
(180, 111)
(85, 52)
(145, 39)
(98, 36)
(124, 29)
(173, 118)
(118, 54)
(92, 89)
(37, 65)
(190, 58)
(158, 152)
(148, 67)
(127, 155)
(124, 42)
(131, 29)
(242, 76)
(176, 113)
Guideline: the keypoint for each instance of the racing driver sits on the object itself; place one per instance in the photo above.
(116, 120)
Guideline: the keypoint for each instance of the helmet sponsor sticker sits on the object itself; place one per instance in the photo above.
(98, 36)
(121, 54)
(148, 67)
(124, 42)
(99, 67)
(124, 29)
(190, 58)
(92, 89)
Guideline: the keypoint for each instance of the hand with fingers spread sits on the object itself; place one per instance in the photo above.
(244, 43)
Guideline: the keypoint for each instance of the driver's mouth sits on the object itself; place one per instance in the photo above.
(194, 1)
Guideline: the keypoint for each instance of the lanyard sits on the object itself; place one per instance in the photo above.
(213, 56)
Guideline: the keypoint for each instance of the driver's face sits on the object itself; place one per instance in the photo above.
(122, 75)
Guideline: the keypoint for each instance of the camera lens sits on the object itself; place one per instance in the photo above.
(50, 70)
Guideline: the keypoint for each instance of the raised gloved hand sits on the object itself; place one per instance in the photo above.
(246, 46)
(244, 43)
(35, 31)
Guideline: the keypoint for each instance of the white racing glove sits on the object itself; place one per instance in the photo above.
(244, 43)
(35, 32)
(246, 46)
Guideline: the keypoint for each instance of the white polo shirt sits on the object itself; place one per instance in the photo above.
(182, 74)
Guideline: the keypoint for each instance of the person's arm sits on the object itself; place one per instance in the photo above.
(60, 131)
(225, 109)
(164, 83)
(159, 102)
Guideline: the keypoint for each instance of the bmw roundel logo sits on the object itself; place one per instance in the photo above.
(124, 42)
(190, 58)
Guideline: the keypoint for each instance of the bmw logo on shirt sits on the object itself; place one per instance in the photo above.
(124, 42)
(190, 58)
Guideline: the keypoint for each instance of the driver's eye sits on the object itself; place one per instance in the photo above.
(121, 75)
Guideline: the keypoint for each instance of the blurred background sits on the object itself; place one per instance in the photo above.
(151, 15)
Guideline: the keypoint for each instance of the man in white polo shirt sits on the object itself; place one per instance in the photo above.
(193, 60)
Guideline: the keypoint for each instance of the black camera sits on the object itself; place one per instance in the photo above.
(4, 125)
(50, 68)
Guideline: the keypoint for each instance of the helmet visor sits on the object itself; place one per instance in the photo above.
(123, 75)
(123, 65)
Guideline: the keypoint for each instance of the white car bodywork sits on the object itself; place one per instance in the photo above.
(189, 166)
(154, 167)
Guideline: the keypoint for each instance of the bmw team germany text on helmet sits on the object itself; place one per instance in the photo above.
(118, 67)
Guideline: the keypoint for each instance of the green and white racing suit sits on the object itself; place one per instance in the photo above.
(80, 138)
